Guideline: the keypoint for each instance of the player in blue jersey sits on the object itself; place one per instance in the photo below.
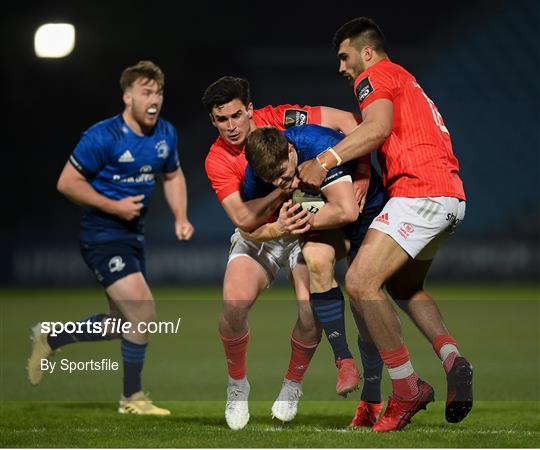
(273, 158)
(112, 174)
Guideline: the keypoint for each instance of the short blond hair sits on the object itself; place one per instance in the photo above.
(143, 69)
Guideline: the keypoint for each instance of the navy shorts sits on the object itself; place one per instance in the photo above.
(111, 261)
(356, 231)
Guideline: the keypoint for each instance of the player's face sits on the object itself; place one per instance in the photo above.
(143, 102)
(233, 121)
(288, 181)
(350, 61)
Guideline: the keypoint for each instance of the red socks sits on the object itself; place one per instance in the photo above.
(235, 352)
(301, 354)
(446, 348)
(400, 369)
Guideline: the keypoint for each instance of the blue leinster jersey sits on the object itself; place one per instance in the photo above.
(119, 163)
(309, 141)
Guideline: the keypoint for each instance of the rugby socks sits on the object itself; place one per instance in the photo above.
(86, 335)
(235, 352)
(328, 308)
(373, 367)
(133, 357)
(301, 354)
(400, 369)
(447, 349)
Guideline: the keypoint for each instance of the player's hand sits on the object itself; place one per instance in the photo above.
(293, 220)
(312, 174)
(360, 188)
(130, 207)
(184, 230)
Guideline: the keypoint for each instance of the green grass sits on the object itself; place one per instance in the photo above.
(498, 327)
(318, 425)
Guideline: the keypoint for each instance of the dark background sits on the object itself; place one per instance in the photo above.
(479, 62)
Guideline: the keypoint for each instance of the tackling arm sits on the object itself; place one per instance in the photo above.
(248, 215)
(369, 135)
(338, 119)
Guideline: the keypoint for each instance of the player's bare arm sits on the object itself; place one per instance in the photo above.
(369, 135)
(174, 187)
(249, 215)
(77, 188)
(340, 208)
(338, 119)
(291, 220)
(361, 179)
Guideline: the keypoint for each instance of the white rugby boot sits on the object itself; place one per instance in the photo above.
(286, 405)
(236, 409)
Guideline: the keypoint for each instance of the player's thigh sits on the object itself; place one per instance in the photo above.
(244, 280)
(133, 298)
(409, 279)
(319, 252)
(378, 258)
(299, 278)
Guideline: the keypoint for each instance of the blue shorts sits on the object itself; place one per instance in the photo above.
(111, 261)
(356, 231)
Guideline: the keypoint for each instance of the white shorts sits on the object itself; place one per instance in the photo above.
(271, 255)
(419, 225)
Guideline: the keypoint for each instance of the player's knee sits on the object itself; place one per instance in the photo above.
(361, 286)
(236, 311)
(320, 267)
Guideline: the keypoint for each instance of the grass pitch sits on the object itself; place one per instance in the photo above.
(498, 328)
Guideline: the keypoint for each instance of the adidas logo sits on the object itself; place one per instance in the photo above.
(126, 157)
(383, 218)
(334, 335)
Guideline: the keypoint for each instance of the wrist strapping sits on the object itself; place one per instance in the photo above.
(329, 159)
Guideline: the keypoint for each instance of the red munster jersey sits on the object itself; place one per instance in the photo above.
(226, 164)
(416, 159)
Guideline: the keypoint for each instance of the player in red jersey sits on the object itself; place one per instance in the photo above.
(231, 112)
(426, 203)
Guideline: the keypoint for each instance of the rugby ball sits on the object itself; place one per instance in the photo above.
(310, 201)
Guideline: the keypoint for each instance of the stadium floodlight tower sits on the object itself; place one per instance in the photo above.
(54, 40)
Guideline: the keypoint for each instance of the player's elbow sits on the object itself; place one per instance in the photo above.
(383, 131)
(245, 224)
(349, 214)
(62, 185)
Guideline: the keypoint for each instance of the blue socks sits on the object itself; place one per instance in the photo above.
(64, 337)
(373, 367)
(133, 357)
(328, 308)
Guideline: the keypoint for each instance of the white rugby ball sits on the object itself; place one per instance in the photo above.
(310, 201)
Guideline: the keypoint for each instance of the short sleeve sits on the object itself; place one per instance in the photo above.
(173, 161)
(374, 86)
(90, 155)
(288, 116)
(222, 176)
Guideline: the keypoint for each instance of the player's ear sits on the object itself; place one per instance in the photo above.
(250, 110)
(212, 119)
(367, 53)
(127, 97)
